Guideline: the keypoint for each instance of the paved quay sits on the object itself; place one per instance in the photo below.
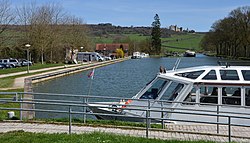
(167, 134)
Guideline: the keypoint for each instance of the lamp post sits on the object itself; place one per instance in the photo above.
(81, 48)
(28, 46)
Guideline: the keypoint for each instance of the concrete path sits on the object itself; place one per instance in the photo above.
(192, 132)
(34, 71)
(19, 82)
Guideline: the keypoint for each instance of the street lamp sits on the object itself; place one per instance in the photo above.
(81, 48)
(28, 46)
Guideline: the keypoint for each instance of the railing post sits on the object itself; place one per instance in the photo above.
(70, 120)
(16, 97)
(84, 110)
(218, 118)
(229, 129)
(147, 119)
(147, 122)
(162, 115)
(21, 107)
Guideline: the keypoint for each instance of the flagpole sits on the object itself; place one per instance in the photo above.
(90, 86)
(91, 76)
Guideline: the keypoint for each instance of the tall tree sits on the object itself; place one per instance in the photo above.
(6, 18)
(156, 35)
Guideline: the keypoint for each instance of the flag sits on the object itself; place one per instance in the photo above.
(91, 74)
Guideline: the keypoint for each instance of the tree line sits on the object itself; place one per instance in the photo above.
(230, 37)
(48, 28)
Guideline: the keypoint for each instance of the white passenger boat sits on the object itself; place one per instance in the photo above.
(136, 55)
(189, 53)
(193, 90)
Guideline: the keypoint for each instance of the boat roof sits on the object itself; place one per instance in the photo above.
(224, 75)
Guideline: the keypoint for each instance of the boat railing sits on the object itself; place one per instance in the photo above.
(82, 102)
(229, 63)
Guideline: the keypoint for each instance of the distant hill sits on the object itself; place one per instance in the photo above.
(108, 28)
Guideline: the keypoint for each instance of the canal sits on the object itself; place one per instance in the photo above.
(123, 79)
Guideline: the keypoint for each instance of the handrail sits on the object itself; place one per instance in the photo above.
(147, 108)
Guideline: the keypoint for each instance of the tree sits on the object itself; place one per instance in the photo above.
(156, 35)
(230, 37)
(6, 18)
(119, 53)
(50, 30)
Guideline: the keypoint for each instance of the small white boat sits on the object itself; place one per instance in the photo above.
(189, 53)
(136, 55)
(144, 55)
(194, 90)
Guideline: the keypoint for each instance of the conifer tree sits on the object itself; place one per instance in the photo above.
(156, 35)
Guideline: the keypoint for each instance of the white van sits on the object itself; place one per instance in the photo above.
(89, 56)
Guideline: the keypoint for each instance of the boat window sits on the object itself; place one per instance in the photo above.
(229, 75)
(247, 97)
(191, 97)
(246, 74)
(208, 94)
(232, 96)
(172, 91)
(154, 90)
(210, 76)
(192, 75)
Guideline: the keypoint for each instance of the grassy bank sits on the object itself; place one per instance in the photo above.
(96, 137)
(34, 67)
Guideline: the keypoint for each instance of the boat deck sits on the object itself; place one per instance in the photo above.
(175, 132)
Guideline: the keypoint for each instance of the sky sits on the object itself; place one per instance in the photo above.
(198, 15)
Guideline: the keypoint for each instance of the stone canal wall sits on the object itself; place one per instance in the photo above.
(55, 74)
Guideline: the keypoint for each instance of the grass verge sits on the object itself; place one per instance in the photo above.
(95, 137)
(4, 113)
(34, 67)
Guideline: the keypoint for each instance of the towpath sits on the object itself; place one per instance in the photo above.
(173, 132)
(19, 82)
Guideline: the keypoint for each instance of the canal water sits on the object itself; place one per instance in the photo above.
(123, 79)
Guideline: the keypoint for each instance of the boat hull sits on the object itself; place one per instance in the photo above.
(112, 114)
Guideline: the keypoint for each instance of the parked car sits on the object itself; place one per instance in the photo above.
(25, 62)
(107, 58)
(4, 66)
(12, 63)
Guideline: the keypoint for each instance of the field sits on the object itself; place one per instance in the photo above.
(175, 43)
(181, 43)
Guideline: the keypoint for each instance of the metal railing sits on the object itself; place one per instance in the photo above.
(19, 97)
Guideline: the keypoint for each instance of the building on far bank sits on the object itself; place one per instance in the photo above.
(175, 28)
(110, 49)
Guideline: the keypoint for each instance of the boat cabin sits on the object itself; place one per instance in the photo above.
(201, 88)
(218, 85)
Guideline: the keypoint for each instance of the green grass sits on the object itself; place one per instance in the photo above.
(7, 82)
(34, 67)
(111, 37)
(99, 122)
(4, 113)
(181, 43)
(96, 137)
